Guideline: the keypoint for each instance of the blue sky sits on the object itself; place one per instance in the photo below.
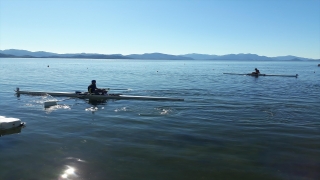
(264, 27)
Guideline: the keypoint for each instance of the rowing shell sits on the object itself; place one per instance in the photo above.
(96, 97)
(263, 75)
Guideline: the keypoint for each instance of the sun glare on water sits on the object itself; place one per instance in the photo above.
(70, 171)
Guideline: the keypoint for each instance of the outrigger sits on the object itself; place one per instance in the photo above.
(85, 95)
(252, 74)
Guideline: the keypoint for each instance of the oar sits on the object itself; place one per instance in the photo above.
(54, 102)
(116, 89)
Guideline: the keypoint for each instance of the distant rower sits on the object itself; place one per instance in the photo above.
(256, 71)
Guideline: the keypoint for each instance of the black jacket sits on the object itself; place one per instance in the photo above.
(92, 88)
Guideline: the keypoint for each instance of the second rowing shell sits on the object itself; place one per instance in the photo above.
(249, 74)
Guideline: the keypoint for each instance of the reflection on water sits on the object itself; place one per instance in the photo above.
(164, 111)
(72, 170)
(69, 173)
(56, 107)
(14, 130)
(92, 109)
(121, 109)
(96, 102)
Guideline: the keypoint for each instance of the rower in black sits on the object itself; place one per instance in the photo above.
(92, 88)
(256, 71)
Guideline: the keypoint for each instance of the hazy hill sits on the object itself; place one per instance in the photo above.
(14, 53)
(99, 56)
(289, 58)
(200, 56)
(244, 57)
(228, 57)
(158, 56)
(43, 54)
(6, 55)
(17, 52)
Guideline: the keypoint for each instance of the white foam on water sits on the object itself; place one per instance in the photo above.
(121, 109)
(92, 109)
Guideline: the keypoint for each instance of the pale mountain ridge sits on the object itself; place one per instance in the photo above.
(290, 57)
(242, 56)
(42, 54)
(15, 53)
(158, 56)
(18, 52)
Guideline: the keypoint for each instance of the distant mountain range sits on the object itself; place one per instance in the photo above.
(15, 53)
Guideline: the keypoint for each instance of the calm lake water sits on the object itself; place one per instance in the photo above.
(228, 127)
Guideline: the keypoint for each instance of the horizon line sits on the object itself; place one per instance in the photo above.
(163, 53)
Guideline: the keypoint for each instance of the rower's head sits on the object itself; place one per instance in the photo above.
(93, 81)
(255, 69)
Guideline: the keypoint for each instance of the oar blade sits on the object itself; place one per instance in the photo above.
(49, 103)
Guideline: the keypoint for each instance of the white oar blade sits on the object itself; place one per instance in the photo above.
(49, 103)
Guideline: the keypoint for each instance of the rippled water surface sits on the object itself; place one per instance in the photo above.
(228, 127)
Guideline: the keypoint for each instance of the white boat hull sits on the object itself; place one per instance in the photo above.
(97, 97)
